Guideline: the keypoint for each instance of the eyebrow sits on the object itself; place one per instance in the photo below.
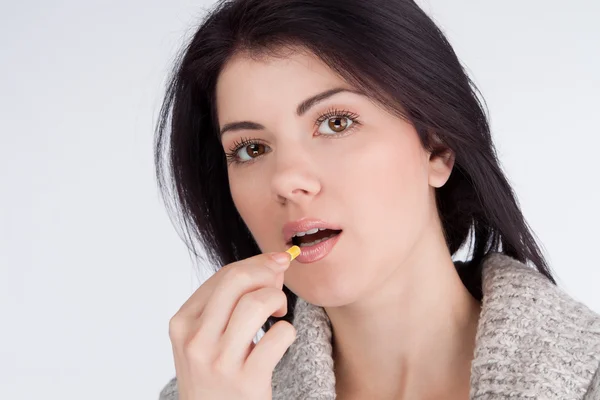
(300, 110)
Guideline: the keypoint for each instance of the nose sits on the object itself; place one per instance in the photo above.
(295, 178)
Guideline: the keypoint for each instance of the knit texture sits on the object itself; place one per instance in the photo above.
(533, 342)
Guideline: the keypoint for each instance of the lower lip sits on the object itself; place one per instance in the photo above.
(318, 251)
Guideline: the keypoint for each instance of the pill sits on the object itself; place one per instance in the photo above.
(293, 251)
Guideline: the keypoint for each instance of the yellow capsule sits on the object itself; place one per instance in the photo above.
(293, 251)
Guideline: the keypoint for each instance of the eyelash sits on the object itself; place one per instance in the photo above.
(331, 113)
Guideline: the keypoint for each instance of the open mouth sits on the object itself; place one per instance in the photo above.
(314, 238)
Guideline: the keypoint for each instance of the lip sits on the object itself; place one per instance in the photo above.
(305, 224)
(318, 251)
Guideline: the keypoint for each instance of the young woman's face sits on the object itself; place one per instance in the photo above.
(344, 160)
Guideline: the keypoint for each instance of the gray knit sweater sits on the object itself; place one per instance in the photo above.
(533, 342)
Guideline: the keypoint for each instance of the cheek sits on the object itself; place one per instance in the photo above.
(252, 205)
(390, 190)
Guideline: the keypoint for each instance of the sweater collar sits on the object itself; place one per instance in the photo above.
(532, 340)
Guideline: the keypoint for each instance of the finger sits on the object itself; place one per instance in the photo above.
(270, 349)
(247, 318)
(219, 307)
(194, 306)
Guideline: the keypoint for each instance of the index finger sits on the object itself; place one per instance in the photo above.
(195, 304)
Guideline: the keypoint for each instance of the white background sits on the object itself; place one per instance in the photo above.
(91, 267)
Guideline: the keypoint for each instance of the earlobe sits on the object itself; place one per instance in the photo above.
(440, 168)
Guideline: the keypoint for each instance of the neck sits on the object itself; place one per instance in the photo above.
(412, 337)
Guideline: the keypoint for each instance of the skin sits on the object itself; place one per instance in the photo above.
(403, 323)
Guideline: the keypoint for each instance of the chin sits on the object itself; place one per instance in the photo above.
(331, 292)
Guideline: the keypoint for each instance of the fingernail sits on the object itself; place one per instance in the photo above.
(281, 258)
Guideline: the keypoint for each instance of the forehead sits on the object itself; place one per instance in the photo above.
(248, 85)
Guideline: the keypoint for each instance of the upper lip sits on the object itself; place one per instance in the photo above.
(303, 225)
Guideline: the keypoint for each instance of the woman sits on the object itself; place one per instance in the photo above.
(374, 306)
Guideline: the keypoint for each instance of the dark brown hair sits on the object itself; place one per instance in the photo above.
(391, 50)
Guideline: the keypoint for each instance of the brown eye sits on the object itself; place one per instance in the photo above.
(253, 150)
(337, 124)
(246, 150)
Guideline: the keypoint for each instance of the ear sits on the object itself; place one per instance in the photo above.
(440, 167)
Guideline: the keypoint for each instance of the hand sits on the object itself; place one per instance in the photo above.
(212, 333)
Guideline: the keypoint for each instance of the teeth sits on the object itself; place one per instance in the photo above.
(316, 241)
(309, 232)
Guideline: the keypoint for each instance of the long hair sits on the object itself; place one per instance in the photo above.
(391, 50)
